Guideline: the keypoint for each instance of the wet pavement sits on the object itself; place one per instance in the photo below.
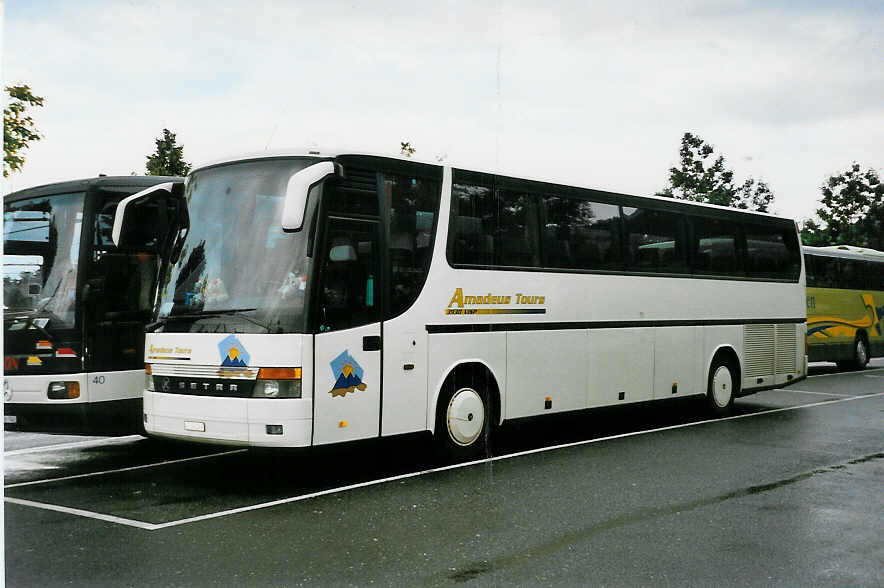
(785, 492)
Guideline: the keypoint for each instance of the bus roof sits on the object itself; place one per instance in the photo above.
(84, 184)
(331, 154)
(845, 251)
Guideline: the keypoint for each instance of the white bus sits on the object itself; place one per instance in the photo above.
(327, 298)
(75, 305)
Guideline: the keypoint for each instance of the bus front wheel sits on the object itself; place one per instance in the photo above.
(463, 422)
(721, 388)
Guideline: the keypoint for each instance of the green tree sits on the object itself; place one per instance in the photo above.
(851, 211)
(18, 128)
(407, 150)
(168, 160)
(704, 178)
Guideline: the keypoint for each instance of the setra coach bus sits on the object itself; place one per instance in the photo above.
(75, 305)
(325, 298)
(845, 305)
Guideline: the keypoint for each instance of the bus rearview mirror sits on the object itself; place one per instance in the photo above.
(297, 190)
(130, 222)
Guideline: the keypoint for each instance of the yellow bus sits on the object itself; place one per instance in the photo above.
(845, 305)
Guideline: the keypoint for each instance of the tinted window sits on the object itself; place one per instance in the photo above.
(716, 247)
(474, 224)
(876, 275)
(825, 272)
(516, 235)
(852, 274)
(772, 252)
(357, 193)
(348, 294)
(809, 275)
(655, 241)
(413, 203)
(579, 234)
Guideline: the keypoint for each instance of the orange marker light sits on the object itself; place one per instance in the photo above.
(342, 424)
(279, 374)
(73, 389)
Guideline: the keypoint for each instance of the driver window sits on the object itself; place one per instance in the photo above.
(350, 286)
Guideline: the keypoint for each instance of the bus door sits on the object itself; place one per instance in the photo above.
(347, 344)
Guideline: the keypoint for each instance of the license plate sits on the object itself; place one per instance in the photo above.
(195, 426)
(10, 419)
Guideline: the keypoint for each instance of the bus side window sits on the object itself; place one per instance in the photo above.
(876, 276)
(715, 248)
(412, 207)
(772, 252)
(853, 273)
(475, 223)
(809, 273)
(655, 241)
(517, 242)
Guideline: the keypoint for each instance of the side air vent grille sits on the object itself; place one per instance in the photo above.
(758, 350)
(787, 348)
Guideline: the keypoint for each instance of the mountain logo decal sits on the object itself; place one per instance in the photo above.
(233, 352)
(347, 373)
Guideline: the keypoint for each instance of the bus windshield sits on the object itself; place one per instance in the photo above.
(238, 271)
(41, 245)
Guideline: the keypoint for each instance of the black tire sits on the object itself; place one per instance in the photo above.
(463, 419)
(860, 353)
(860, 356)
(722, 386)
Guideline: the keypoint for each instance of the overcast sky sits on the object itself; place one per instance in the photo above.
(587, 93)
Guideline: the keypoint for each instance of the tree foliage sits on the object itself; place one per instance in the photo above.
(704, 178)
(407, 150)
(851, 211)
(168, 160)
(18, 127)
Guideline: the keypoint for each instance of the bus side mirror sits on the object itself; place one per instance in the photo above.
(138, 217)
(297, 190)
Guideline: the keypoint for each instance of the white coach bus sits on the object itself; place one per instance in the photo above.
(327, 298)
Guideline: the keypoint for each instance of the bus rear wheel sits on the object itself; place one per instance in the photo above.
(721, 387)
(860, 356)
(463, 423)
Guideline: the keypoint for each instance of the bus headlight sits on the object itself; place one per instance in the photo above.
(63, 390)
(278, 383)
(277, 389)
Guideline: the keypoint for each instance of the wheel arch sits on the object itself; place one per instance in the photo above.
(471, 365)
(727, 352)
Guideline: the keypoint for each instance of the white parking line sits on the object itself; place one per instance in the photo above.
(819, 393)
(263, 505)
(82, 513)
(75, 445)
(129, 469)
(846, 373)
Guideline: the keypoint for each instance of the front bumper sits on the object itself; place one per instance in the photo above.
(229, 421)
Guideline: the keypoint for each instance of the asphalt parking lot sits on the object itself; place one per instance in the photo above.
(785, 492)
